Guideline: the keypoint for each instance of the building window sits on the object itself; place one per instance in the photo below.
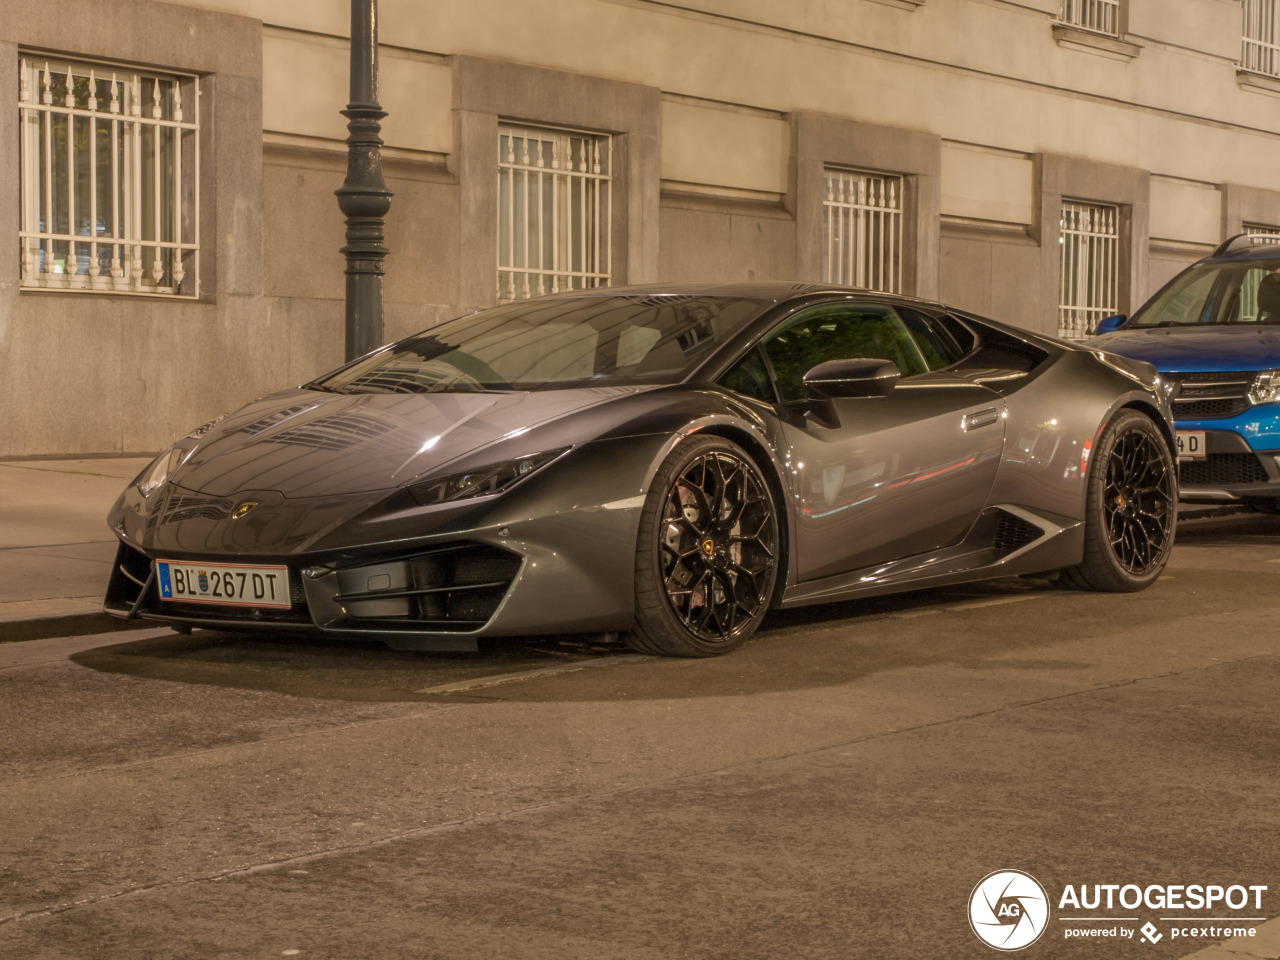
(1089, 281)
(1261, 37)
(553, 211)
(109, 167)
(862, 229)
(1262, 232)
(1100, 16)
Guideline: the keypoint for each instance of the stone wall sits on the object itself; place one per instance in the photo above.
(722, 113)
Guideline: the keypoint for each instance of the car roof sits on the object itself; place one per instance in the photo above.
(766, 291)
(1246, 246)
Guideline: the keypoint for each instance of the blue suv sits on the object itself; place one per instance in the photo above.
(1213, 333)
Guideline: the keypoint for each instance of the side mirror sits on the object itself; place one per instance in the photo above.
(1110, 323)
(847, 378)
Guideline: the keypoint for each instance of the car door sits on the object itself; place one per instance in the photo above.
(901, 474)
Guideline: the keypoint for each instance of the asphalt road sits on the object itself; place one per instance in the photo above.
(834, 789)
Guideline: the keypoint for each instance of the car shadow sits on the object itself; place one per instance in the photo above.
(1230, 529)
(821, 645)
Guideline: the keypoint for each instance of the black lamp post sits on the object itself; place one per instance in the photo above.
(364, 198)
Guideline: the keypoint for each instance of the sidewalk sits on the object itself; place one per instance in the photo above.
(55, 547)
(56, 550)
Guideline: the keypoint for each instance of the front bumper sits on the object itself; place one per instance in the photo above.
(1231, 469)
(555, 554)
(433, 596)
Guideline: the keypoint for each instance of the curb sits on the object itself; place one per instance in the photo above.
(70, 625)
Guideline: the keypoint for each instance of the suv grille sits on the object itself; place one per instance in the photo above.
(1212, 396)
(1209, 409)
(1223, 468)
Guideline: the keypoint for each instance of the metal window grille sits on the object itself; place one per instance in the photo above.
(553, 211)
(1263, 233)
(110, 162)
(862, 223)
(1261, 37)
(1100, 16)
(1089, 287)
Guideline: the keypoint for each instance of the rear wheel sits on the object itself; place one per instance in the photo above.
(1131, 509)
(707, 554)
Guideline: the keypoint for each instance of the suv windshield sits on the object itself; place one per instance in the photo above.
(591, 341)
(1246, 291)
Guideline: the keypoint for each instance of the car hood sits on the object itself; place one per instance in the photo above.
(1197, 349)
(305, 443)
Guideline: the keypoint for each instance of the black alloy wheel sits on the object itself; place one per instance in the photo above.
(1138, 502)
(707, 558)
(1131, 509)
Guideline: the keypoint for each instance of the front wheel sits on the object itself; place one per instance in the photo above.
(707, 553)
(1131, 508)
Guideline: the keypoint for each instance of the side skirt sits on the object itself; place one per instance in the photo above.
(1050, 542)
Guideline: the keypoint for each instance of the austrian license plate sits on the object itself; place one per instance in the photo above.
(227, 584)
(1190, 444)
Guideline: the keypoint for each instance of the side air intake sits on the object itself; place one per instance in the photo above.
(1013, 533)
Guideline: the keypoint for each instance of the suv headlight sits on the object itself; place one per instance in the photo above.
(1266, 387)
(481, 482)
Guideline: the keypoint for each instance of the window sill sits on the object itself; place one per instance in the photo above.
(709, 199)
(1087, 41)
(1258, 82)
(45, 290)
(990, 231)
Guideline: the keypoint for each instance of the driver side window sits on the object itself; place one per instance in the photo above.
(840, 331)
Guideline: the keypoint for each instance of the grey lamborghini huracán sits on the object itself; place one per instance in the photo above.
(669, 463)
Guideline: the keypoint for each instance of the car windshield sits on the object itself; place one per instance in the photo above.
(1244, 292)
(532, 345)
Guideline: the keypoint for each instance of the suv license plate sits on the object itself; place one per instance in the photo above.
(1190, 444)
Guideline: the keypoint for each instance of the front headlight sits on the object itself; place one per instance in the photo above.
(482, 482)
(1266, 387)
(159, 469)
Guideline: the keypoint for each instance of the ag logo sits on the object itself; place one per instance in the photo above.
(1008, 910)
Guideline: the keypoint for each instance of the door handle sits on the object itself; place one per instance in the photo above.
(980, 418)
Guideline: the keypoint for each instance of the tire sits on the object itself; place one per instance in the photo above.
(707, 555)
(1131, 508)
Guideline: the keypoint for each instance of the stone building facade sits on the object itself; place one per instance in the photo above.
(1020, 158)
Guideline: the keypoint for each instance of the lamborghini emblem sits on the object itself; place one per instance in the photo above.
(242, 508)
